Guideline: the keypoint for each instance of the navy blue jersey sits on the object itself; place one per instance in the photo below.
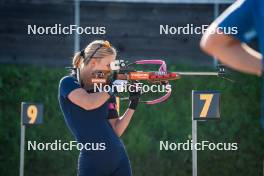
(92, 126)
(248, 17)
(86, 125)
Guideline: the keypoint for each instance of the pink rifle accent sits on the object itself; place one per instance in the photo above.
(163, 68)
(111, 106)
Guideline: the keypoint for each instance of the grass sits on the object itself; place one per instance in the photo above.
(169, 121)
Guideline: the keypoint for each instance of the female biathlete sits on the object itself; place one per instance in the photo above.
(92, 116)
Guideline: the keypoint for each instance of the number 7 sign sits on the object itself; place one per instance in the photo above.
(205, 105)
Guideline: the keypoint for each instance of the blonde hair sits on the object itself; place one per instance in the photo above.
(95, 49)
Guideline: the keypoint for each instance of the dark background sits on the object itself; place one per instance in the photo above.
(133, 28)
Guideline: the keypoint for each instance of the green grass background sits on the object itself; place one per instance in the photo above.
(171, 121)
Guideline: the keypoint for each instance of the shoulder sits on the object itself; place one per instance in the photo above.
(68, 84)
(68, 79)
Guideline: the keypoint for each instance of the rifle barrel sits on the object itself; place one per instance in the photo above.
(197, 73)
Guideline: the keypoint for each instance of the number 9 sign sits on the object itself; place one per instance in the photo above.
(31, 113)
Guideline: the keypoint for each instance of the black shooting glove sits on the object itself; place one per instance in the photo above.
(134, 95)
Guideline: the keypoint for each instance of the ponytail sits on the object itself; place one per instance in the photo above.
(76, 61)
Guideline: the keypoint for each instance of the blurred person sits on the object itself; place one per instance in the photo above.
(92, 116)
(247, 17)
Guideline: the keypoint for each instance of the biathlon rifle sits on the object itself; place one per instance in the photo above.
(122, 70)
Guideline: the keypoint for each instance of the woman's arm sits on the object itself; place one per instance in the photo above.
(88, 101)
(120, 124)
